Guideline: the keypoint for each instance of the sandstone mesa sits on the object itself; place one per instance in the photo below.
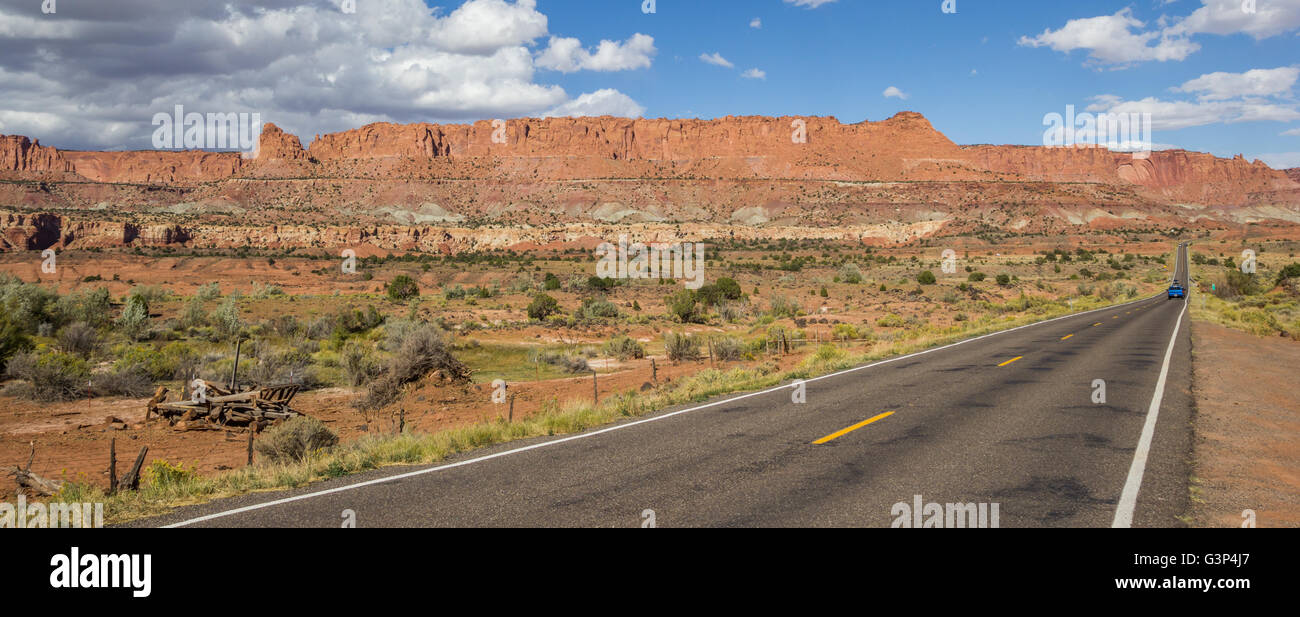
(437, 187)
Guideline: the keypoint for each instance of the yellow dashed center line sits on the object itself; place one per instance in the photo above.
(1067, 337)
(1011, 360)
(1096, 324)
(838, 434)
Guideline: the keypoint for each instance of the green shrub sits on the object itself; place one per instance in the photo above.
(402, 288)
(208, 291)
(624, 348)
(926, 278)
(90, 306)
(12, 339)
(844, 332)
(79, 338)
(357, 366)
(890, 321)
(683, 305)
(28, 305)
(728, 348)
(1237, 284)
(850, 273)
(1289, 272)
(294, 440)
(681, 346)
(151, 294)
(193, 315)
(161, 474)
(596, 308)
(976, 277)
(50, 376)
(542, 306)
(782, 306)
(226, 320)
(262, 292)
(134, 321)
(1004, 280)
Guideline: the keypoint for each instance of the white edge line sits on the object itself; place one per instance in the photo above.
(544, 444)
(1128, 498)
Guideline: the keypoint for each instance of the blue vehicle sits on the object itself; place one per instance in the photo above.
(1176, 291)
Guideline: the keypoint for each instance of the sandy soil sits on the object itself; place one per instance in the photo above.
(72, 439)
(1247, 445)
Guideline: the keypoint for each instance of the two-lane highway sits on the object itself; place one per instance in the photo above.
(1081, 421)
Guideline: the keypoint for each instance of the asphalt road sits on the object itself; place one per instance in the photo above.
(1007, 419)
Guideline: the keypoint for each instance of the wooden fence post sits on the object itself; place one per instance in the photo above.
(112, 466)
(234, 374)
(250, 445)
(132, 478)
(595, 390)
(654, 371)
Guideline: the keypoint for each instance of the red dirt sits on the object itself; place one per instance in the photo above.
(1247, 449)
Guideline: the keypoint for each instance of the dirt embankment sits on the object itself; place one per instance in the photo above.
(1247, 429)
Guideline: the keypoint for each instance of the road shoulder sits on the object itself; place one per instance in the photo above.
(1246, 454)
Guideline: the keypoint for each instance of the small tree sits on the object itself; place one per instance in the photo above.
(542, 306)
(135, 317)
(684, 306)
(403, 288)
(226, 318)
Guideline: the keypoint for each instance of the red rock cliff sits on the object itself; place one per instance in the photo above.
(156, 166)
(18, 153)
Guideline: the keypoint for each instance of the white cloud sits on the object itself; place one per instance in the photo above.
(716, 59)
(484, 26)
(1255, 82)
(1291, 133)
(756, 23)
(1111, 39)
(1223, 17)
(812, 4)
(1173, 115)
(1120, 39)
(893, 92)
(567, 55)
(94, 77)
(754, 74)
(605, 102)
(1280, 160)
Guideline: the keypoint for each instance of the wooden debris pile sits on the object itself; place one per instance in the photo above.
(28, 480)
(218, 407)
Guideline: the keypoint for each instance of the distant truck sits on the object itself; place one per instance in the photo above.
(1176, 291)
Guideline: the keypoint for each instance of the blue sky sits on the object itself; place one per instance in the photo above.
(1214, 77)
(967, 72)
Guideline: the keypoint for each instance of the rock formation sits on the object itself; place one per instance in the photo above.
(401, 182)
